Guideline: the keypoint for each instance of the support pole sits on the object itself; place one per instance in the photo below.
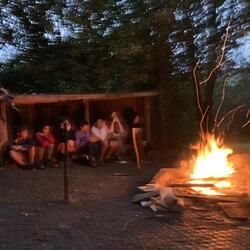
(86, 111)
(65, 182)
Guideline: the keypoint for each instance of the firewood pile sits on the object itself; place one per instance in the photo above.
(169, 191)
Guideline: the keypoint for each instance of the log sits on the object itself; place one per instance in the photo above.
(215, 198)
(187, 185)
(144, 196)
(147, 188)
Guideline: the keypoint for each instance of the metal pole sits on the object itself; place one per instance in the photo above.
(66, 190)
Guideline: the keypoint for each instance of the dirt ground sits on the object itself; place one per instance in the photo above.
(101, 216)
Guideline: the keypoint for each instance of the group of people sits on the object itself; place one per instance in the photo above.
(101, 143)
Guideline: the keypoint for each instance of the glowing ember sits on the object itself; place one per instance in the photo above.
(212, 166)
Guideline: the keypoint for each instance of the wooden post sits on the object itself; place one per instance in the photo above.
(147, 117)
(86, 110)
(136, 148)
(3, 129)
(4, 124)
(66, 160)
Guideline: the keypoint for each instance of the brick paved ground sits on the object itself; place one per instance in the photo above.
(32, 216)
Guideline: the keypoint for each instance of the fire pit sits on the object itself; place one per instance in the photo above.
(211, 176)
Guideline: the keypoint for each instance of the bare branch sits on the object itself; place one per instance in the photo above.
(201, 123)
(221, 103)
(248, 122)
(228, 113)
(4, 91)
(197, 88)
(221, 61)
(231, 119)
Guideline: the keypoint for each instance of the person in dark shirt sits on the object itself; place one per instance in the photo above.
(22, 150)
(137, 123)
(66, 135)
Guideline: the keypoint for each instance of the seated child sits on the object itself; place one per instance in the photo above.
(45, 142)
(84, 145)
(22, 150)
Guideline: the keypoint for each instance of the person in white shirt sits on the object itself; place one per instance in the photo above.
(100, 133)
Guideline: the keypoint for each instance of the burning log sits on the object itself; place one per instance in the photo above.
(215, 198)
(187, 185)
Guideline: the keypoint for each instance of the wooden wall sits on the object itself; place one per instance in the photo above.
(34, 116)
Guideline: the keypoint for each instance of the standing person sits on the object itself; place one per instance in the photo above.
(45, 142)
(100, 133)
(23, 150)
(85, 145)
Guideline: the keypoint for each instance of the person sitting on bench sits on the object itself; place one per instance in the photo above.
(22, 150)
(66, 136)
(45, 142)
(84, 144)
(100, 133)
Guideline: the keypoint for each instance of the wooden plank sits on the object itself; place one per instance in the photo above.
(144, 196)
(51, 98)
(86, 110)
(3, 124)
(187, 185)
(215, 198)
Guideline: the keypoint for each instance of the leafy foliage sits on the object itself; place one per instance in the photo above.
(125, 45)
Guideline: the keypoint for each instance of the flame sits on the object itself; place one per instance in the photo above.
(211, 165)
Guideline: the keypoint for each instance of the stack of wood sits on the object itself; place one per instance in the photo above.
(159, 199)
(170, 191)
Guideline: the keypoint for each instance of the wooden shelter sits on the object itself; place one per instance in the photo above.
(37, 109)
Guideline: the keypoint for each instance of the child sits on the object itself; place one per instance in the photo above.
(45, 141)
(84, 145)
(22, 150)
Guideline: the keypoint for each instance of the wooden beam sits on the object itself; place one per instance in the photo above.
(4, 124)
(52, 98)
(86, 111)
